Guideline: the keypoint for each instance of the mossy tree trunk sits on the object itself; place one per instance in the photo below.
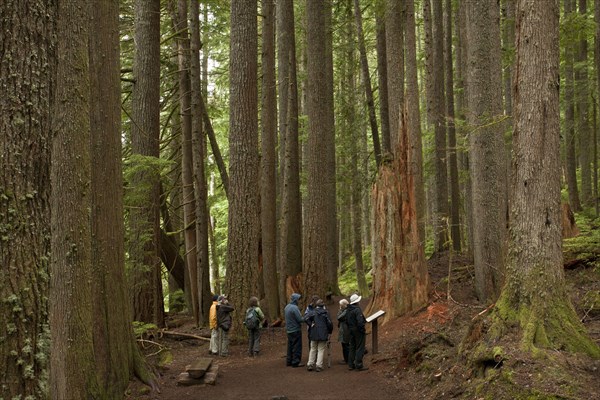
(534, 297)
(26, 78)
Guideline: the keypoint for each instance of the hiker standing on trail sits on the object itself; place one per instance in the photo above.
(224, 322)
(343, 331)
(293, 322)
(356, 325)
(253, 321)
(213, 347)
(320, 328)
(309, 309)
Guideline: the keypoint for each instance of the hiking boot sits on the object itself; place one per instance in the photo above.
(362, 368)
(310, 368)
(318, 369)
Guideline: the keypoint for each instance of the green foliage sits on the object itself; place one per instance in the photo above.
(347, 275)
(142, 329)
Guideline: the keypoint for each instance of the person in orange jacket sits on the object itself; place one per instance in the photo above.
(213, 347)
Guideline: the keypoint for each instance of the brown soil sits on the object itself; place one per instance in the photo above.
(418, 357)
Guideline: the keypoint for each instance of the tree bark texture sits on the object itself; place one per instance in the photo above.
(582, 103)
(534, 295)
(268, 163)
(351, 126)
(461, 108)
(72, 369)
(321, 257)
(199, 163)
(400, 278)
(290, 216)
(113, 339)
(414, 116)
(450, 116)
(27, 67)
(395, 67)
(569, 124)
(487, 159)
(441, 204)
(384, 114)
(145, 278)
(189, 206)
(243, 223)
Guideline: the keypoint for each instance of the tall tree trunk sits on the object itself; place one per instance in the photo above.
(534, 298)
(366, 77)
(583, 114)
(395, 67)
(290, 230)
(146, 286)
(189, 206)
(72, 369)
(321, 258)
(215, 275)
(597, 62)
(384, 113)
(487, 152)
(349, 114)
(243, 223)
(199, 163)
(27, 68)
(113, 339)
(508, 47)
(462, 107)
(414, 116)
(452, 156)
(570, 136)
(268, 187)
(434, 47)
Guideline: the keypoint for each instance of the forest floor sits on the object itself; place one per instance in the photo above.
(418, 356)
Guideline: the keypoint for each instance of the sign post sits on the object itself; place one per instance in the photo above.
(373, 319)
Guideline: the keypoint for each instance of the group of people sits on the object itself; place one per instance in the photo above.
(351, 328)
(220, 323)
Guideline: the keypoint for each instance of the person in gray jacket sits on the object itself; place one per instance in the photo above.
(293, 324)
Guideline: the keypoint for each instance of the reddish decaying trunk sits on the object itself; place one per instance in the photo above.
(400, 278)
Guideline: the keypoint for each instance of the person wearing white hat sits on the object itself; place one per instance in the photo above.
(356, 325)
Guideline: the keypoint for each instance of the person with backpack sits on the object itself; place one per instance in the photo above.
(253, 321)
(224, 322)
(320, 328)
(213, 347)
(343, 331)
(293, 325)
(356, 326)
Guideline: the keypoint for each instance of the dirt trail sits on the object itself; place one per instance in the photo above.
(266, 376)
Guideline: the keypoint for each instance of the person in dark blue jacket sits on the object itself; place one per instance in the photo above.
(293, 324)
(320, 327)
(356, 325)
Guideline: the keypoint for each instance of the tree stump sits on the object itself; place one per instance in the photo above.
(569, 227)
